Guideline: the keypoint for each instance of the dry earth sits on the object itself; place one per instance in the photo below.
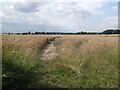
(49, 52)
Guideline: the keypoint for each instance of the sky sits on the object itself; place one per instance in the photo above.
(58, 15)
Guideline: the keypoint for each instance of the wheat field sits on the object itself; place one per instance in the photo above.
(82, 61)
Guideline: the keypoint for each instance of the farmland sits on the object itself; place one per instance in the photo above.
(60, 61)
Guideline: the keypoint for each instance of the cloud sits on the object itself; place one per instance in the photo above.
(26, 7)
(115, 8)
(66, 15)
(60, 0)
(71, 9)
(109, 22)
(112, 20)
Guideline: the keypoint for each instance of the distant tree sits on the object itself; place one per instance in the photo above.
(82, 32)
(24, 33)
(29, 32)
(43, 32)
(108, 31)
(116, 32)
(9, 33)
(36, 32)
(111, 31)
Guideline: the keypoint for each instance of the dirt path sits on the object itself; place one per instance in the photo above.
(49, 51)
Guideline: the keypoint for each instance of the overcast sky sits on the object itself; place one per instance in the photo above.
(59, 15)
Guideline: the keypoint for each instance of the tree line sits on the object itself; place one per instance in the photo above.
(111, 31)
(108, 31)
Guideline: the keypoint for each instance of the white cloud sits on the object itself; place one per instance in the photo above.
(112, 20)
(108, 22)
(57, 13)
(59, 0)
(1, 14)
(115, 8)
(26, 7)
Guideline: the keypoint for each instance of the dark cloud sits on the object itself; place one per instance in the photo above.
(26, 7)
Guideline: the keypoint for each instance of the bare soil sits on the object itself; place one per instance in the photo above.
(49, 52)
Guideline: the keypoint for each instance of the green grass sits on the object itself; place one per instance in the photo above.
(98, 69)
(18, 68)
(73, 69)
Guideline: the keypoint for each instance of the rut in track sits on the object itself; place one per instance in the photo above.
(49, 52)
